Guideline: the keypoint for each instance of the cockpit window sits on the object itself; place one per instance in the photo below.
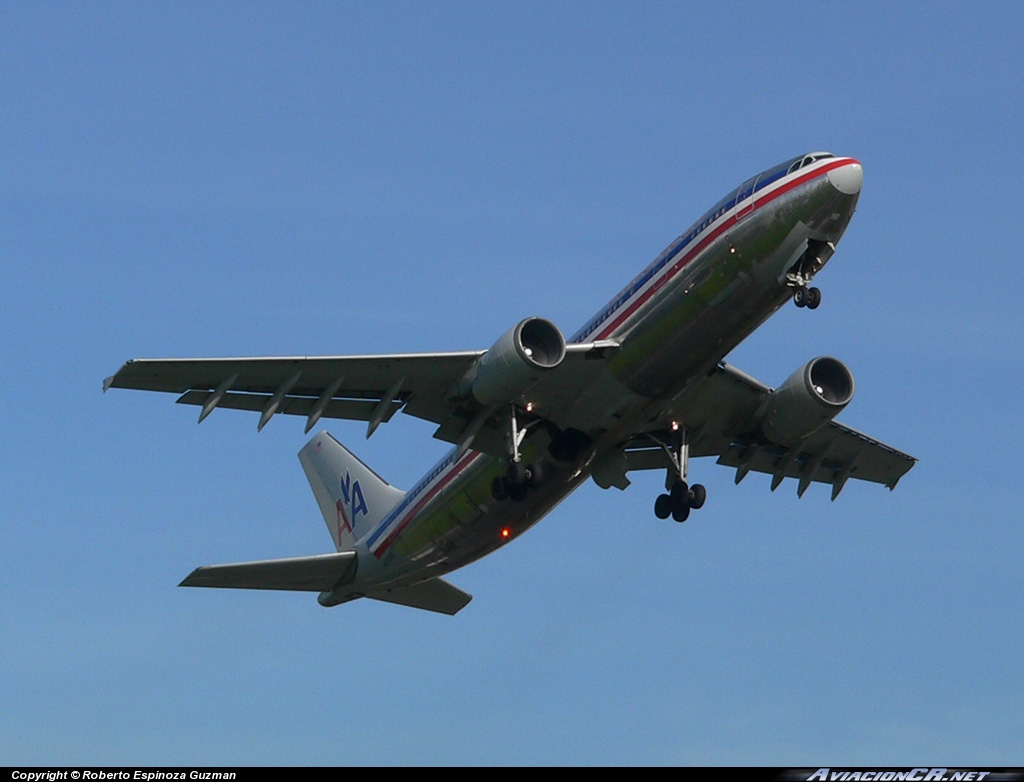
(806, 160)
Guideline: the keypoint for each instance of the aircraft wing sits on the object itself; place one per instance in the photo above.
(721, 409)
(361, 388)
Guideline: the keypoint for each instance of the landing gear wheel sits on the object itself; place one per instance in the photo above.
(800, 296)
(697, 496)
(536, 473)
(813, 298)
(682, 513)
(679, 493)
(499, 489)
(517, 474)
(663, 506)
(517, 493)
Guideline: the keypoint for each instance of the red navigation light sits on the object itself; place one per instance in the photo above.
(505, 532)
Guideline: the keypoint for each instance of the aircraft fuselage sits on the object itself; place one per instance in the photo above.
(713, 286)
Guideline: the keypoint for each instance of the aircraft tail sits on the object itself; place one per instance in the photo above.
(351, 496)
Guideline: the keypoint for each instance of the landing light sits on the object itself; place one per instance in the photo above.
(505, 532)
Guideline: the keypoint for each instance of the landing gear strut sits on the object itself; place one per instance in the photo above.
(681, 498)
(520, 477)
(803, 271)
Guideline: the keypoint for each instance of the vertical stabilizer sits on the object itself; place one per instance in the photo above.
(351, 496)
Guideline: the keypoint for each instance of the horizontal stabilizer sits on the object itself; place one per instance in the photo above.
(433, 595)
(318, 573)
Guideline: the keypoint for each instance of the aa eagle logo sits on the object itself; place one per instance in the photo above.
(350, 504)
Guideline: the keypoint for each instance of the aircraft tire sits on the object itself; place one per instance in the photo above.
(517, 493)
(813, 298)
(698, 494)
(681, 513)
(679, 493)
(499, 489)
(517, 474)
(537, 476)
(663, 506)
(800, 297)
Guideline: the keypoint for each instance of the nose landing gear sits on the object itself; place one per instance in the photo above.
(807, 297)
(800, 275)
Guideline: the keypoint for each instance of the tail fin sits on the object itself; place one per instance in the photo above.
(351, 496)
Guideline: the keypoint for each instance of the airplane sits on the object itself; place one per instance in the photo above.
(642, 385)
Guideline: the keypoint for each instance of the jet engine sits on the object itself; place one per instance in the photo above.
(810, 398)
(517, 360)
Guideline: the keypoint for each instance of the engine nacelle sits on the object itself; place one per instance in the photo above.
(810, 398)
(517, 360)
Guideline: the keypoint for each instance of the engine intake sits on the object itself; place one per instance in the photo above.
(810, 398)
(517, 361)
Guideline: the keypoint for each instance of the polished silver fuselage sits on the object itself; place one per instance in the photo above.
(707, 292)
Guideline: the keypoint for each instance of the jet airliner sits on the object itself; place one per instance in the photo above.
(640, 386)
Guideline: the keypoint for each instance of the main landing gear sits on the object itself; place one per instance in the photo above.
(520, 477)
(681, 498)
(679, 501)
(517, 481)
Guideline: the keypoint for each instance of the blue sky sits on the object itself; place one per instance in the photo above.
(193, 179)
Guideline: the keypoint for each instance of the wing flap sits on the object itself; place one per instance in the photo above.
(318, 573)
(350, 409)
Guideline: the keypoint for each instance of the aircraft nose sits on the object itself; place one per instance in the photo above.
(847, 179)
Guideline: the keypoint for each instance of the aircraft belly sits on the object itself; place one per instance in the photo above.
(464, 522)
(689, 330)
(601, 405)
(725, 293)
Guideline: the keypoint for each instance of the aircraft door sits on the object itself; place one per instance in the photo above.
(745, 198)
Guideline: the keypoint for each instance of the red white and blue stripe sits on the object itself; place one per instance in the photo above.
(745, 200)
